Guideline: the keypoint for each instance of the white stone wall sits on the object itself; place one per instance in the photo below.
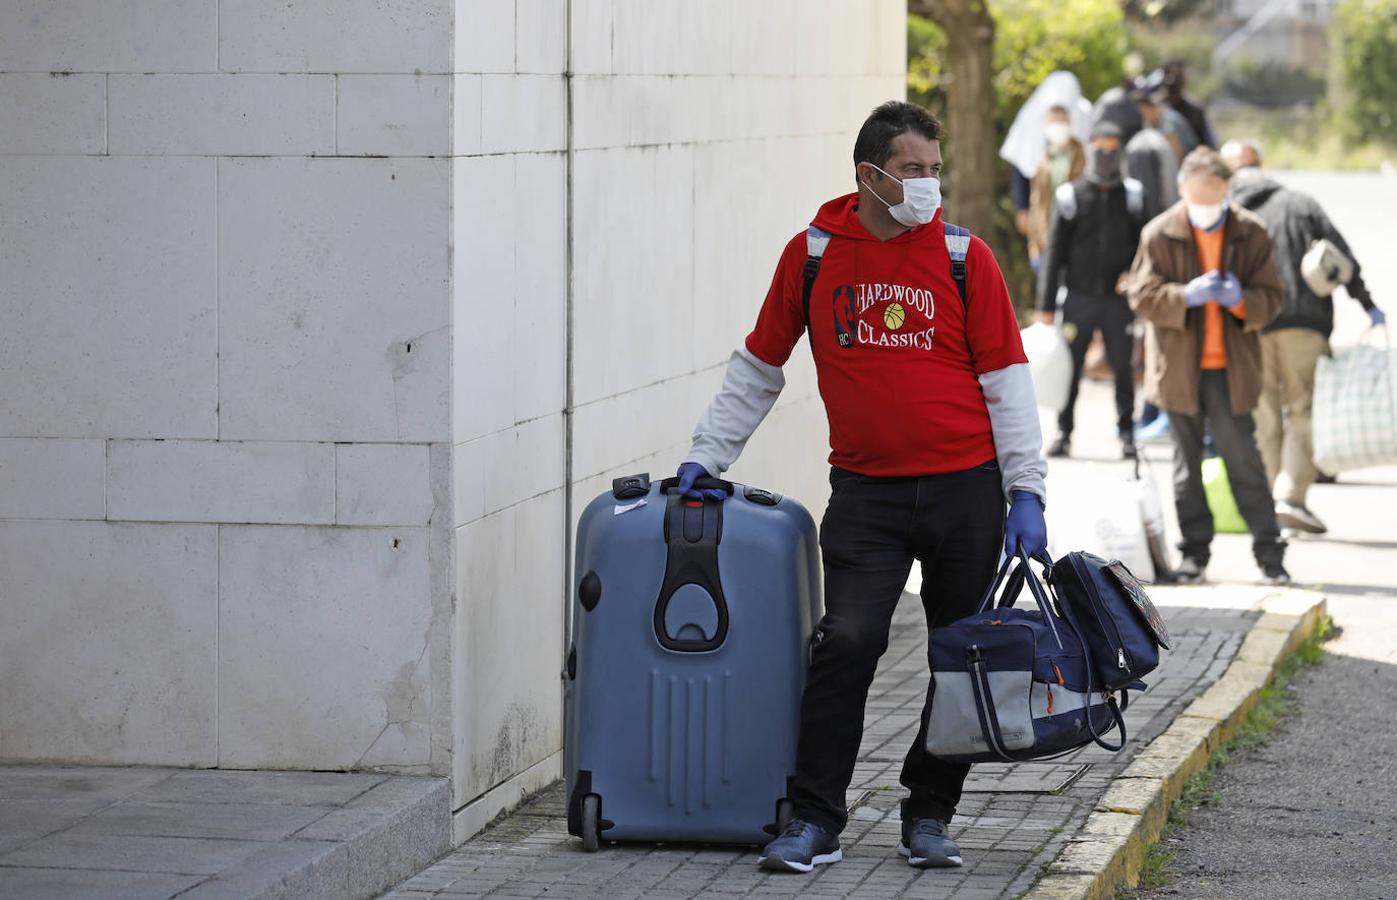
(703, 135)
(320, 321)
(224, 390)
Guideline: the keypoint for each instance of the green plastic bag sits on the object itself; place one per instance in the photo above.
(1226, 518)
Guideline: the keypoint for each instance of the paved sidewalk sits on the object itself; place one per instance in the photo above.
(1013, 819)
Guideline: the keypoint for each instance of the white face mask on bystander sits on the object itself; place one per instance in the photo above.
(1205, 216)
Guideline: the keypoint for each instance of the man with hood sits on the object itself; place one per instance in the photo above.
(933, 431)
(1205, 280)
(1174, 80)
(1064, 161)
(1095, 232)
(1293, 343)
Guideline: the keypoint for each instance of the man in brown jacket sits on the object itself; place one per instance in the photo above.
(1206, 282)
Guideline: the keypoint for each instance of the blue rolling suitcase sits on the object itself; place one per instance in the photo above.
(691, 628)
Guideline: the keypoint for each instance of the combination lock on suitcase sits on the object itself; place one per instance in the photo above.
(691, 629)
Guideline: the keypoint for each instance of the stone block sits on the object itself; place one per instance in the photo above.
(523, 113)
(308, 789)
(1264, 647)
(43, 113)
(483, 39)
(465, 115)
(342, 614)
(658, 418)
(590, 53)
(623, 301)
(290, 870)
(383, 484)
(108, 303)
(75, 883)
(391, 832)
(509, 644)
(540, 288)
(96, 787)
(482, 295)
(221, 481)
(541, 38)
(508, 467)
(192, 856)
(82, 604)
(231, 821)
(333, 327)
(78, 36)
(221, 115)
(52, 479)
(393, 115)
(405, 36)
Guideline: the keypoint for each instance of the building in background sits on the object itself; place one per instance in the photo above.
(320, 321)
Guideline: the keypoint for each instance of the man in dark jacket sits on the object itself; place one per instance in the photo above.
(1292, 344)
(1174, 80)
(1206, 283)
(1095, 230)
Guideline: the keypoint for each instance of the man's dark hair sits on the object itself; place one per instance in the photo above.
(1060, 110)
(875, 141)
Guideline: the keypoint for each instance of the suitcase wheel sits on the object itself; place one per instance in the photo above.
(591, 823)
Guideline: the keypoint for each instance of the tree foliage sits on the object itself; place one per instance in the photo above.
(1367, 42)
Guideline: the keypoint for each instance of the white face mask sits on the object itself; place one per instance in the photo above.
(921, 198)
(1057, 133)
(1205, 215)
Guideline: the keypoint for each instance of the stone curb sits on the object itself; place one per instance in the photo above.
(1108, 851)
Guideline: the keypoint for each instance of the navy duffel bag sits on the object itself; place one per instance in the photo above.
(1015, 684)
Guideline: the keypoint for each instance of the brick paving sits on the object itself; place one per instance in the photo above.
(1012, 820)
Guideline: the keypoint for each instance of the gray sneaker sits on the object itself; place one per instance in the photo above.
(1293, 515)
(926, 845)
(800, 848)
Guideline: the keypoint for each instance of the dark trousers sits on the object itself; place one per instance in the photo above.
(1235, 439)
(1112, 317)
(872, 531)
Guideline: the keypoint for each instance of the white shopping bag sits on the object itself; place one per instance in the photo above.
(1113, 515)
(1354, 419)
(1050, 364)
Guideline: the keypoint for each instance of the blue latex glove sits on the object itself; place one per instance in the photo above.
(1025, 526)
(1201, 289)
(1229, 291)
(1377, 315)
(690, 472)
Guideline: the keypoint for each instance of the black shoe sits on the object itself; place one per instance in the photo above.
(1061, 447)
(1190, 571)
(1128, 450)
(1326, 478)
(926, 846)
(1293, 515)
(800, 848)
(1274, 573)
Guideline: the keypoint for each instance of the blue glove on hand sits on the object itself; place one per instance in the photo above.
(690, 472)
(1025, 526)
(1377, 315)
(1229, 291)
(1201, 289)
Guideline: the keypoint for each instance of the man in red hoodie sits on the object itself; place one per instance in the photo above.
(933, 430)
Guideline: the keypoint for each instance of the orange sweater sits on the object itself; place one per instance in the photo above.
(1209, 245)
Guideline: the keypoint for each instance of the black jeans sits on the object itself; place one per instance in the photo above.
(1235, 438)
(1112, 316)
(872, 531)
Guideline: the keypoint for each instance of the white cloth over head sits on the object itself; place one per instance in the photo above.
(1025, 144)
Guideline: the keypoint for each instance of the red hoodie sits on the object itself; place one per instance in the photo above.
(903, 397)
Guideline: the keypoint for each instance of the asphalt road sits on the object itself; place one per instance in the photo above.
(1314, 813)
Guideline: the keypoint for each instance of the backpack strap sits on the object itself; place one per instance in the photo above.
(958, 247)
(816, 240)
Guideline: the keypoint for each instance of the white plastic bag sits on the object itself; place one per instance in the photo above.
(1102, 511)
(1354, 421)
(1050, 364)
